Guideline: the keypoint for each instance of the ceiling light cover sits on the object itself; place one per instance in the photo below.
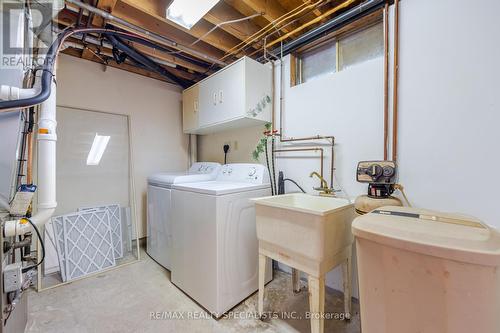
(97, 150)
(187, 12)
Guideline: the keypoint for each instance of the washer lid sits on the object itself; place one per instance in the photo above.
(433, 233)
(220, 188)
(167, 179)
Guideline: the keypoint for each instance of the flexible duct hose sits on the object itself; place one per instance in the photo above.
(48, 67)
(142, 59)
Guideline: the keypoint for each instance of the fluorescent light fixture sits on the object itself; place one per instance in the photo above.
(187, 12)
(97, 150)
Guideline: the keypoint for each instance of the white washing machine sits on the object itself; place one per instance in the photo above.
(159, 212)
(215, 247)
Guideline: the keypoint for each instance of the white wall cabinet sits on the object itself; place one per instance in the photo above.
(190, 108)
(238, 95)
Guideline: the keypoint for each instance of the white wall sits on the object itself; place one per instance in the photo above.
(154, 107)
(449, 105)
(241, 143)
(448, 108)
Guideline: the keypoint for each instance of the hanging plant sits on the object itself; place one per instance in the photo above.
(261, 145)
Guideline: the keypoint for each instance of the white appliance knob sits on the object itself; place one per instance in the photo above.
(200, 168)
(230, 171)
(252, 171)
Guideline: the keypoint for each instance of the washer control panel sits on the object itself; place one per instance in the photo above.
(204, 168)
(244, 172)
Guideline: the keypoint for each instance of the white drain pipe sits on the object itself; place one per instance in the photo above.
(46, 185)
(47, 138)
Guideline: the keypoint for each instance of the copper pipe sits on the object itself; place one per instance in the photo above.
(317, 137)
(313, 21)
(273, 108)
(29, 167)
(395, 84)
(386, 80)
(305, 149)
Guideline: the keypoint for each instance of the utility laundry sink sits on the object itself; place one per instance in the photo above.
(311, 234)
(303, 225)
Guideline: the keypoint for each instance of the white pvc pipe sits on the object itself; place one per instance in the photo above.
(46, 185)
(46, 166)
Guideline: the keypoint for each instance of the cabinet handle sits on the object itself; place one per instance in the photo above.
(221, 96)
(215, 98)
(195, 106)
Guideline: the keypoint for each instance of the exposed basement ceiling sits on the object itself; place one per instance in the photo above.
(270, 22)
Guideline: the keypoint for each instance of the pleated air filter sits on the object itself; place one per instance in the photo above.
(115, 221)
(84, 243)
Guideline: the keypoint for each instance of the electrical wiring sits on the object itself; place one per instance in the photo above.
(42, 245)
(278, 30)
(259, 34)
(263, 31)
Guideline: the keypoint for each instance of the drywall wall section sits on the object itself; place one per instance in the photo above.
(449, 105)
(242, 143)
(154, 107)
(347, 105)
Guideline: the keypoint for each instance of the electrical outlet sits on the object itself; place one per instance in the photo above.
(235, 145)
(12, 277)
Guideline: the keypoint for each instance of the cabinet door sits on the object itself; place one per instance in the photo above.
(190, 108)
(222, 95)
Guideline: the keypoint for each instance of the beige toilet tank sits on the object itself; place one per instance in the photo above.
(427, 272)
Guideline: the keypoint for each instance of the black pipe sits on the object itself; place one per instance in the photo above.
(337, 22)
(164, 49)
(273, 179)
(48, 68)
(281, 183)
(294, 182)
(141, 58)
(267, 163)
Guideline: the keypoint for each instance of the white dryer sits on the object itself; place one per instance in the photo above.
(215, 247)
(159, 212)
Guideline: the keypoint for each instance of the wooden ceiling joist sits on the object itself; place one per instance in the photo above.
(208, 37)
(156, 10)
(272, 10)
(122, 66)
(222, 12)
(107, 5)
(158, 25)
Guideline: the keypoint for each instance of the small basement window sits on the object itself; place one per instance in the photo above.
(337, 53)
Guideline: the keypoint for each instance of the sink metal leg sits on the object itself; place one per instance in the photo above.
(316, 303)
(347, 277)
(296, 280)
(262, 278)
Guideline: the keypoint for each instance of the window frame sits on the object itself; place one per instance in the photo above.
(358, 25)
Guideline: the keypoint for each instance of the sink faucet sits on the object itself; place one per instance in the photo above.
(324, 189)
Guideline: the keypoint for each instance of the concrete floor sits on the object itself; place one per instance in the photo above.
(128, 299)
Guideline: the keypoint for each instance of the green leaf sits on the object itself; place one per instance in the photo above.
(255, 155)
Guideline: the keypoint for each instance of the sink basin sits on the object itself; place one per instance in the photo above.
(300, 227)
